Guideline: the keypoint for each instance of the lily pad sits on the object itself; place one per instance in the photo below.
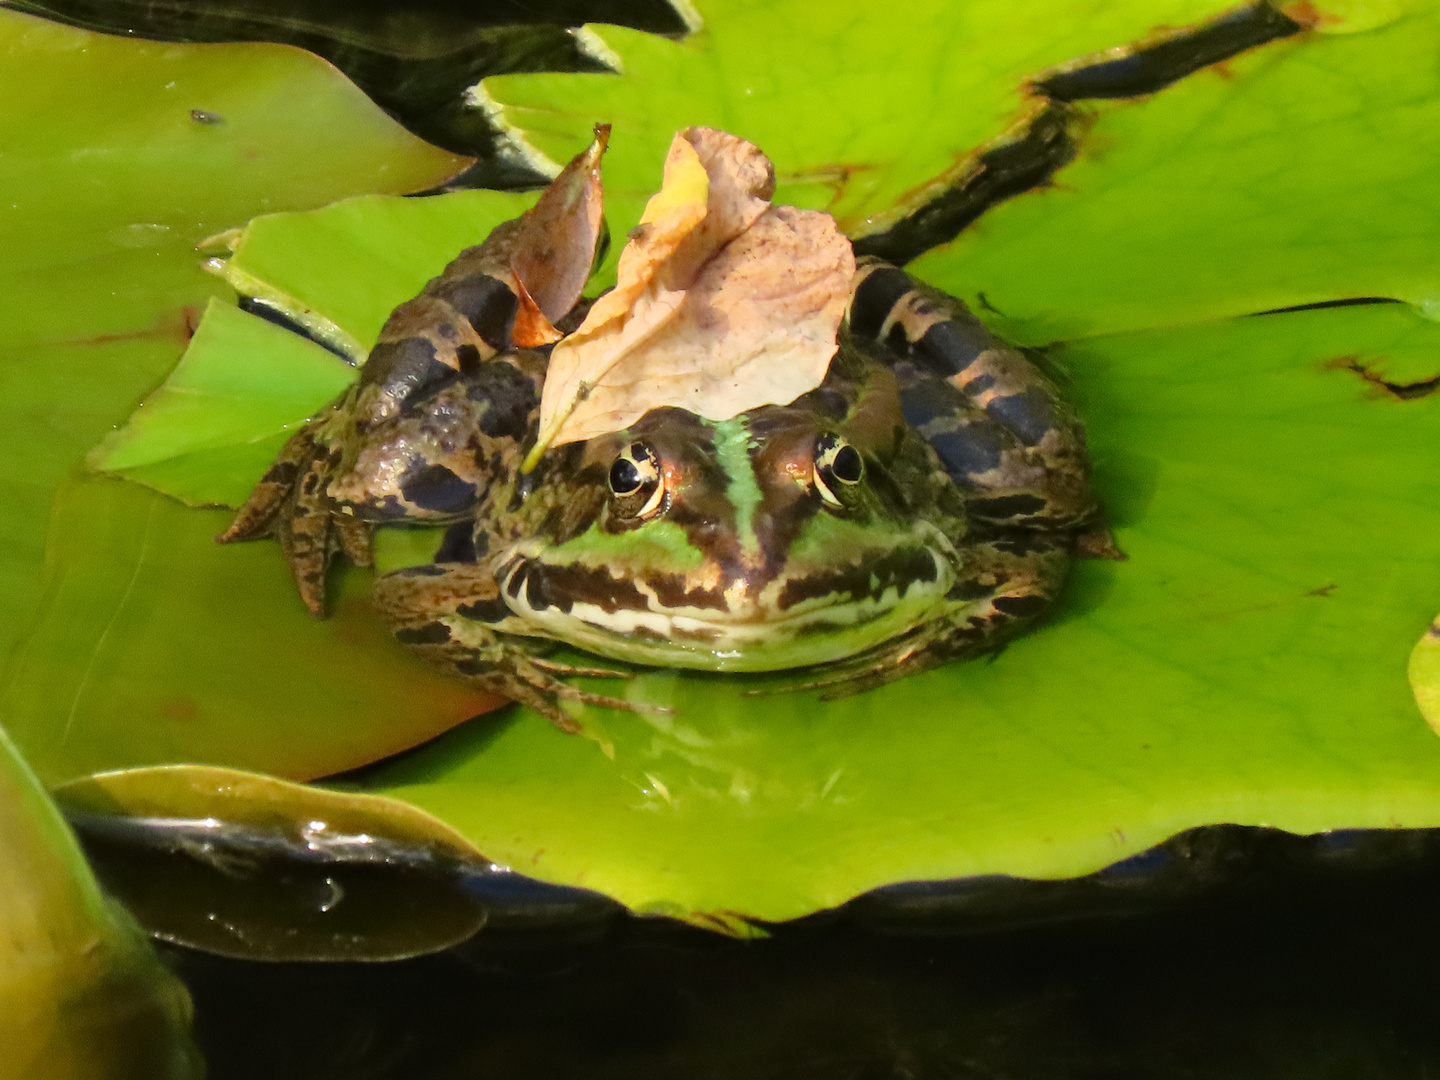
(107, 183)
(866, 112)
(1294, 174)
(1247, 664)
(81, 994)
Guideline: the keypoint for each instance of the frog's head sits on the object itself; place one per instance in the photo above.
(787, 536)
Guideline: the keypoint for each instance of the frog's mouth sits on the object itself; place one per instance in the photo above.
(735, 624)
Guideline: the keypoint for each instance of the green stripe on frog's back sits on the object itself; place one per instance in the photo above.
(733, 452)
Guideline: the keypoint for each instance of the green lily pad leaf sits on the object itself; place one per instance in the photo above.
(864, 115)
(154, 644)
(275, 870)
(1298, 173)
(81, 994)
(1246, 664)
(209, 433)
(133, 652)
(108, 151)
(305, 265)
(217, 423)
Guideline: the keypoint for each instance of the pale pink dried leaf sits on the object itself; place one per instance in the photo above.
(757, 327)
(742, 179)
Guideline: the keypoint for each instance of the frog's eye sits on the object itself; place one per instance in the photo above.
(635, 479)
(838, 465)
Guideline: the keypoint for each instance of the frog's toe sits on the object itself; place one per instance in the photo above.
(266, 504)
(571, 671)
(306, 539)
(866, 671)
(356, 539)
(533, 686)
(606, 702)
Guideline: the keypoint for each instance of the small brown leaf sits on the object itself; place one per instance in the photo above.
(553, 246)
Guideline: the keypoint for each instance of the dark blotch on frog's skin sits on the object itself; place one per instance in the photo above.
(896, 569)
(1007, 506)
(1022, 543)
(458, 545)
(929, 399)
(488, 304)
(486, 611)
(407, 371)
(430, 634)
(436, 488)
(672, 591)
(1021, 606)
(973, 449)
(510, 399)
(946, 348)
(978, 385)
(1029, 415)
(468, 358)
(883, 290)
(283, 472)
(561, 587)
(969, 589)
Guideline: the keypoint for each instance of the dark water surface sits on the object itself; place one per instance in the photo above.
(1286, 969)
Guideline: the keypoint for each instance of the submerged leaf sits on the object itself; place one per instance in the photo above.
(251, 866)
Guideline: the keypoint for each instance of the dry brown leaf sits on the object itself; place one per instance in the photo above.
(723, 303)
(555, 243)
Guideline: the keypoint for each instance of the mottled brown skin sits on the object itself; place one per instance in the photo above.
(971, 489)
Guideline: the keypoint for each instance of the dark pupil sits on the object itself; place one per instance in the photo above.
(624, 477)
(846, 465)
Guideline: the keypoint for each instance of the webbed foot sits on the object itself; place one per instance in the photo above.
(290, 504)
(446, 613)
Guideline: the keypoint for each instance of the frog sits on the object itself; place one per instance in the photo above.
(922, 504)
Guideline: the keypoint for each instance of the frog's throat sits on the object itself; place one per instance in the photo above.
(791, 622)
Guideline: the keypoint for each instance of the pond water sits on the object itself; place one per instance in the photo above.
(1283, 972)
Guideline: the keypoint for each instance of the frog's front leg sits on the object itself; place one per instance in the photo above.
(998, 423)
(445, 398)
(290, 503)
(455, 617)
(1005, 585)
(344, 472)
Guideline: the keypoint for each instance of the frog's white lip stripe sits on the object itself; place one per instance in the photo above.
(758, 637)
